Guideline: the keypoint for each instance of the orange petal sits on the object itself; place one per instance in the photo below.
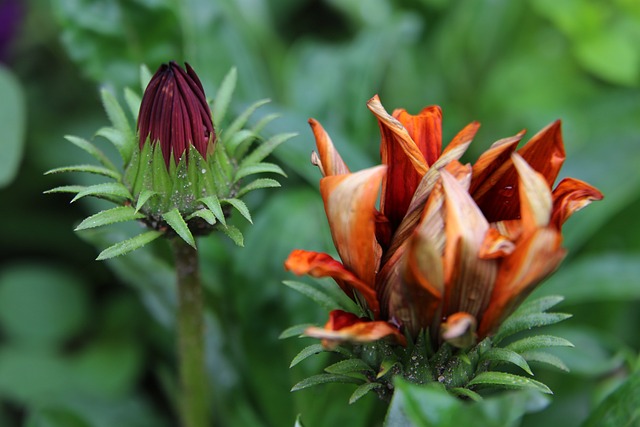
(327, 159)
(490, 161)
(570, 196)
(318, 264)
(534, 259)
(425, 130)
(404, 156)
(535, 196)
(347, 327)
(469, 279)
(349, 201)
(495, 245)
(498, 195)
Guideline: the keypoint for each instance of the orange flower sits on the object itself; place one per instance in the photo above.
(450, 248)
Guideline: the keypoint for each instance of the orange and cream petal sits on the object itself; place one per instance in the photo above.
(535, 196)
(319, 264)
(570, 196)
(345, 327)
(349, 202)
(327, 158)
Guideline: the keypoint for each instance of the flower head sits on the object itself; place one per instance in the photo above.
(451, 249)
(175, 114)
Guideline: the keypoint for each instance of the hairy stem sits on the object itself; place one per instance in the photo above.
(194, 390)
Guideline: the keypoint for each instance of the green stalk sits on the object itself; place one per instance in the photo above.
(194, 390)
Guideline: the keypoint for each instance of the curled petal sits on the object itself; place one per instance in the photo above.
(349, 201)
(534, 259)
(570, 196)
(495, 245)
(318, 264)
(327, 158)
(425, 130)
(535, 196)
(347, 327)
(492, 159)
(459, 330)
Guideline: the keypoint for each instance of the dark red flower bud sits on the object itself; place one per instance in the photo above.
(174, 112)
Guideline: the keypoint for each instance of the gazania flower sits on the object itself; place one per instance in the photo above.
(451, 248)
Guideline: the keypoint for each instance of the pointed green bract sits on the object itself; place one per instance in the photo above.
(223, 97)
(324, 379)
(515, 324)
(257, 185)
(107, 190)
(214, 206)
(93, 169)
(498, 354)
(503, 379)
(205, 214)
(259, 168)
(143, 197)
(546, 358)
(240, 207)
(92, 150)
(133, 101)
(66, 189)
(120, 122)
(266, 148)
(234, 234)
(177, 223)
(349, 366)
(294, 331)
(241, 120)
(129, 245)
(362, 390)
(537, 342)
(306, 352)
(109, 216)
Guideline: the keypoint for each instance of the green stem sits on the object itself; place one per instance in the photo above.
(194, 390)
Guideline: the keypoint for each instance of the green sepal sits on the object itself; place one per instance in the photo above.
(387, 366)
(205, 214)
(234, 234)
(66, 189)
(109, 190)
(546, 358)
(161, 179)
(258, 184)
(510, 381)
(93, 169)
(498, 354)
(109, 216)
(307, 352)
(223, 97)
(266, 148)
(119, 120)
(240, 207)
(294, 331)
(515, 324)
(363, 390)
(85, 145)
(263, 167)
(324, 379)
(349, 367)
(174, 219)
(129, 245)
(537, 342)
(214, 206)
(143, 197)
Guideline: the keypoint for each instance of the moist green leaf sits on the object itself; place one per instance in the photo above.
(107, 190)
(177, 223)
(97, 170)
(503, 379)
(129, 245)
(307, 352)
(110, 216)
(363, 390)
(324, 379)
(498, 354)
(223, 97)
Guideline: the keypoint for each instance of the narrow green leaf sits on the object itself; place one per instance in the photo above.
(214, 206)
(306, 353)
(294, 331)
(349, 366)
(115, 112)
(144, 196)
(515, 324)
(66, 189)
(465, 392)
(324, 300)
(538, 305)
(324, 379)
(129, 245)
(108, 190)
(386, 366)
(177, 223)
(109, 216)
(264, 121)
(234, 234)
(205, 214)
(537, 342)
(85, 145)
(546, 358)
(363, 390)
(233, 141)
(257, 185)
(240, 207)
(498, 354)
(97, 170)
(223, 97)
(119, 140)
(505, 380)
(259, 168)
(133, 101)
(266, 148)
(242, 118)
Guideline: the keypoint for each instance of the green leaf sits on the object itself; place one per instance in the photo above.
(214, 206)
(110, 216)
(498, 354)
(240, 207)
(349, 366)
(205, 214)
(621, 408)
(266, 148)
(107, 190)
(465, 392)
(259, 168)
(145, 77)
(223, 97)
(133, 101)
(240, 138)
(177, 223)
(97, 170)
(241, 120)
(306, 352)
(66, 189)
(143, 197)
(13, 113)
(536, 342)
(538, 305)
(92, 150)
(120, 122)
(234, 234)
(363, 390)
(324, 379)
(515, 324)
(546, 358)
(319, 296)
(503, 379)
(258, 184)
(294, 331)
(129, 245)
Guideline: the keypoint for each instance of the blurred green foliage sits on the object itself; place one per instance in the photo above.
(91, 344)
